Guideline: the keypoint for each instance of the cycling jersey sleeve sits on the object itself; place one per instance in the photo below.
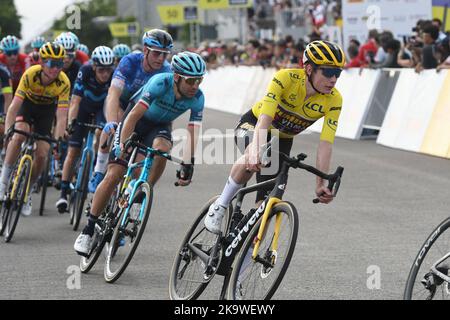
(22, 88)
(78, 88)
(155, 88)
(123, 73)
(274, 92)
(64, 95)
(197, 110)
(5, 81)
(331, 119)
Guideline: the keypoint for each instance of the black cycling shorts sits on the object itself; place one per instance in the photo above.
(39, 116)
(243, 136)
(147, 132)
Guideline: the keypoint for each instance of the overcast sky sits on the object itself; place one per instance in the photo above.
(37, 16)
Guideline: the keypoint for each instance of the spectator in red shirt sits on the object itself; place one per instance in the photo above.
(15, 62)
(353, 55)
(368, 50)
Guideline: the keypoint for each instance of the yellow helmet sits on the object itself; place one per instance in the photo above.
(52, 50)
(324, 53)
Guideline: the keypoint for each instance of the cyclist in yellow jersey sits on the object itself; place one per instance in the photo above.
(296, 98)
(43, 92)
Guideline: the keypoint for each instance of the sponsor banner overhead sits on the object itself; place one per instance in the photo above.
(178, 14)
(360, 16)
(224, 4)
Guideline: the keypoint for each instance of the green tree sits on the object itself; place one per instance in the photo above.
(9, 19)
(90, 33)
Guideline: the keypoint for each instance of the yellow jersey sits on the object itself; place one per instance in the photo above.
(31, 87)
(285, 103)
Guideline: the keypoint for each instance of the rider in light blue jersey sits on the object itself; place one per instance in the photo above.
(163, 99)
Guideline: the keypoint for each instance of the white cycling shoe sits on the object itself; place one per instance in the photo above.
(83, 244)
(213, 220)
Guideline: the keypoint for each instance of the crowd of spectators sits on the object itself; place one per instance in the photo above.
(427, 48)
(284, 53)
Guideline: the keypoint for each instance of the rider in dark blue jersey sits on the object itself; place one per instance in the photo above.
(132, 73)
(88, 98)
(163, 99)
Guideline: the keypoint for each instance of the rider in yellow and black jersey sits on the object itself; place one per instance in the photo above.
(296, 98)
(31, 87)
(43, 92)
(291, 112)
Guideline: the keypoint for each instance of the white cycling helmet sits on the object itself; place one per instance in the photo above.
(103, 56)
(67, 41)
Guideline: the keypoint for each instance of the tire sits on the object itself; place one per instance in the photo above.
(186, 256)
(429, 286)
(18, 200)
(44, 185)
(114, 268)
(257, 269)
(107, 227)
(5, 207)
(80, 195)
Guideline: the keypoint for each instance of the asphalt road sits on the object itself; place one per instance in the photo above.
(389, 202)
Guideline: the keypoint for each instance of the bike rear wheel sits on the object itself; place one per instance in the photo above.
(18, 199)
(259, 279)
(187, 278)
(429, 275)
(128, 233)
(81, 194)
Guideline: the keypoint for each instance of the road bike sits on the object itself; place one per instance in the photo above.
(19, 185)
(429, 277)
(253, 251)
(122, 224)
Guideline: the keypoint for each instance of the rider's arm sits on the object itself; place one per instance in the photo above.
(130, 121)
(259, 139)
(12, 112)
(74, 106)
(324, 151)
(323, 164)
(62, 109)
(112, 106)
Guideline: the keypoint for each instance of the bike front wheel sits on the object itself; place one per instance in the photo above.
(258, 279)
(429, 277)
(18, 199)
(81, 194)
(128, 232)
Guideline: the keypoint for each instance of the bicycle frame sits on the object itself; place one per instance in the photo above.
(87, 150)
(236, 234)
(146, 166)
(25, 157)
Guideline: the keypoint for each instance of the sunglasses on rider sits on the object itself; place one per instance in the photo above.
(105, 69)
(331, 72)
(192, 80)
(54, 63)
(71, 55)
(157, 53)
(12, 53)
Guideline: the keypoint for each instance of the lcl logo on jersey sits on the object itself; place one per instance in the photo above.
(332, 124)
(315, 107)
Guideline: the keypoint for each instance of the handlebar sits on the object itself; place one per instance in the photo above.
(133, 143)
(32, 135)
(90, 126)
(334, 180)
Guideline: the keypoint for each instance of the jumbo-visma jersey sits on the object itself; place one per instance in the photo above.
(285, 103)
